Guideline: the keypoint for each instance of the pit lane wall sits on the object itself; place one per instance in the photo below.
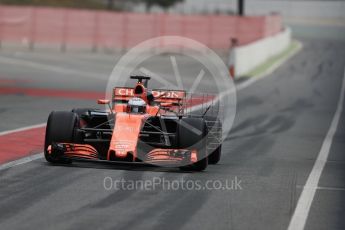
(247, 57)
(108, 31)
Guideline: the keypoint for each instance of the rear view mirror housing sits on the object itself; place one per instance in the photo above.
(103, 102)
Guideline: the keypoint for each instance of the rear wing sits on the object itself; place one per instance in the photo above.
(180, 101)
(175, 97)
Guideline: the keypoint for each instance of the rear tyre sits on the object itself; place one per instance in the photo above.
(192, 133)
(215, 156)
(60, 128)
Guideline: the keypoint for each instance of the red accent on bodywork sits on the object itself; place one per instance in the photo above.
(125, 94)
(120, 108)
(103, 101)
(152, 110)
(194, 156)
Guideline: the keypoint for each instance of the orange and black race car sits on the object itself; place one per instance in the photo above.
(141, 126)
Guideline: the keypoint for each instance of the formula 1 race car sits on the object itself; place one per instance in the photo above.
(141, 126)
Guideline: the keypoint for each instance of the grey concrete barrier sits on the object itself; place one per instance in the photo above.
(246, 58)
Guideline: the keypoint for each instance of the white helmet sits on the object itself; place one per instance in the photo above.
(136, 105)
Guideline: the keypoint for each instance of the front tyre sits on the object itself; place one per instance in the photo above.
(60, 128)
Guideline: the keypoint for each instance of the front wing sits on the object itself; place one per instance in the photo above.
(158, 156)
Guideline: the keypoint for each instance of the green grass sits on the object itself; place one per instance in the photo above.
(295, 45)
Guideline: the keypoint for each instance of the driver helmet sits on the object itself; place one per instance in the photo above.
(136, 105)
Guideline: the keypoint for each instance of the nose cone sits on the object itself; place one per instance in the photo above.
(126, 134)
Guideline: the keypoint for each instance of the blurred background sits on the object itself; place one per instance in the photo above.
(112, 25)
(287, 60)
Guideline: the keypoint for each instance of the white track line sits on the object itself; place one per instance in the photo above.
(21, 161)
(325, 188)
(239, 87)
(22, 129)
(300, 215)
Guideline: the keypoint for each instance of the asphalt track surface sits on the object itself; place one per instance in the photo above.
(280, 125)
